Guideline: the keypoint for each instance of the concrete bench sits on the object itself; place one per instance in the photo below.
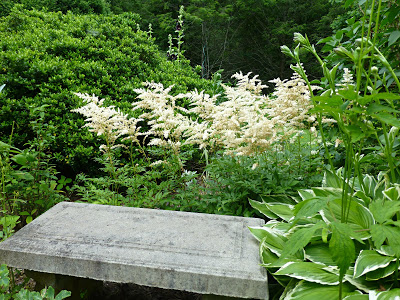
(201, 253)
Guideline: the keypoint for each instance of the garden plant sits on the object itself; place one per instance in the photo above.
(317, 158)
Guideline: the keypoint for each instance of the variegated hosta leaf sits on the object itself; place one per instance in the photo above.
(392, 193)
(357, 297)
(282, 210)
(309, 207)
(393, 294)
(298, 240)
(370, 260)
(327, 192)
(310, 272)
(312, 291)
(319, 253)
(270, 238)
(262, 208)
(267, 257)
(360, 217)
(332, 180)
(281, 228)
(306, 194)
(360, 283)
(369, 185)
(381, 273)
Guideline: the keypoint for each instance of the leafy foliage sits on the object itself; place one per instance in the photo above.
(327, 246)
(9, 291)
(47, 56)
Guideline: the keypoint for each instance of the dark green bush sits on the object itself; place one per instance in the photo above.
(44, 57)
(75, 6)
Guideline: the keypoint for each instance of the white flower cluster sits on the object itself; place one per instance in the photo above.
(246, 123)
(107, 121)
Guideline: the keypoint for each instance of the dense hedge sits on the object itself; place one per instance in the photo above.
(76, 6)
(44, 57)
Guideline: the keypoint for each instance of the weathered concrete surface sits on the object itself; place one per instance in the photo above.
(200, 253)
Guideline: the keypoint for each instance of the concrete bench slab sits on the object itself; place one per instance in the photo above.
(201, 253)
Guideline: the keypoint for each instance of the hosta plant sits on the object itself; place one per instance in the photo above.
(312, 254)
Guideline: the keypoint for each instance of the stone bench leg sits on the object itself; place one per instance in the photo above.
(80, 288)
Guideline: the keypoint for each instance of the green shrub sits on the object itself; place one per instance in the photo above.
(47, 56)
(76, 6)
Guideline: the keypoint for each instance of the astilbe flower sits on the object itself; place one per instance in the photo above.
(246, 123)
(249, 122)
(167, 123)
(107, 121)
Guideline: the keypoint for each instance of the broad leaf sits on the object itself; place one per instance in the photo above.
(387, 119)
(332, 180)
(393, 294)
(384, 210)
(319, 253)
(342, 246)
(4, 279)
(284, 211)
(300, 239)
(381, 273)
(381, 233)
(309, 271)
(357, 297)
(360, 218)
(393, 37)
(311, 291)
(271, 239)
(62, 295)
(306, 194)
(369, 260)
(262, 208)
(309, 207)
(375, 107)
(392, 193)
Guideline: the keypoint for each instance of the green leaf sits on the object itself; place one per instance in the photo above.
(383, 210)
(357, 297)
(370, 260)
(271, 239)
(349, 94)
(262, 208)
(63, 294)
(375, 107)
(342, 246)
(311, 291)
(309, 207)
(309, 271)
(332, 180)
(48, 292)
(20, 159)
(392, 193)
(381, 273)
(306, 194)
(393, 37)
(284, 211)
(387, 118)
(285, 50)
(22, 175)
(393, 294)
(381, 233)
(360, 218)
(4, 279)
(319, 253)
(300, 239)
